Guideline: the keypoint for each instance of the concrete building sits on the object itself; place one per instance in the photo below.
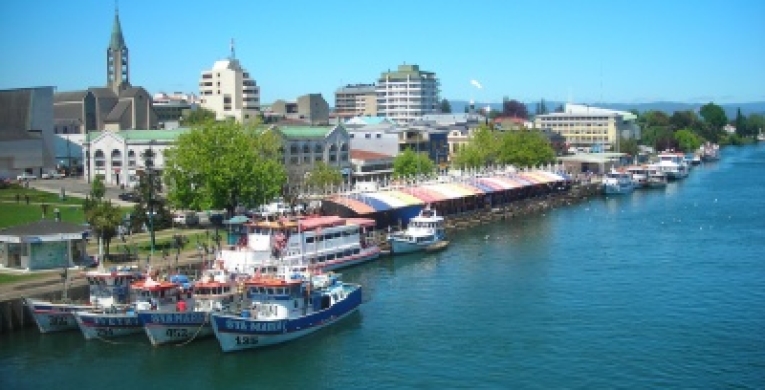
(354, 100)
(373, 134)
(26, 131)
(304, 146)
(228, 90)
(118, 106)
(407, 93)
(370, 166)
(585, 126)
(170, 108)
(311, 109)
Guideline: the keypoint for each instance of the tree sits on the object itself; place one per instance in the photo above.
(741, 129)
(629, 146)
(514, 108)
(101, 214)
(755, 123)
(446, 107)
(687, 140)
(222, 165)
(660, 137)
(525, 149)
(655, 118)
(684, 120)
(714, 116)
(323, 177)
(411, 164)
(197, 117)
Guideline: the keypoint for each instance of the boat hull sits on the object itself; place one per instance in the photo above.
(235, 333)
(54, 317)
(399, 247)
(107, 325)
(368, 254)
(174, 327)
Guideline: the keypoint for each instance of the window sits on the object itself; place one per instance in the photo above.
(306, 148)
(367, 136)
(293, 149)
(99, 159)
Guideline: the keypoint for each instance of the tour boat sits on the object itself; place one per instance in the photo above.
(283, 309)
(215, 290)
(617, 182)
(106, 288)
(122, 320)
(639, 175)
(673, 165)
(423, 231)
(327, 242)
(656, 178)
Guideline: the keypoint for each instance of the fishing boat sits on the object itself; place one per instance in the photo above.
(423, 231)
(283, 309)
(106, 288)
(617, 182)
(215, 290)
(327, 242)
(121, 320)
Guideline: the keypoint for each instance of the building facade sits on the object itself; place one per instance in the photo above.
(585, 126)
(44, 244)
(304, 146)
(27, 138)
(355, 100)
(311, 109)
(228, 90)
(407, 93)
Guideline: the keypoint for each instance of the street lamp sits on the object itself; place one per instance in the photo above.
(149, 163)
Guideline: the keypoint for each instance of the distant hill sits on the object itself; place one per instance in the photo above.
(668, 107)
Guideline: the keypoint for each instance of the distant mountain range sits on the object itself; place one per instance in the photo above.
(668, 107)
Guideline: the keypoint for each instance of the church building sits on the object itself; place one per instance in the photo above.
(117, 106)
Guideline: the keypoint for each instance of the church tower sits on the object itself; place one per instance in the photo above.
(117, 66)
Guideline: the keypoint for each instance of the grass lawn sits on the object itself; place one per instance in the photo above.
(12, 278)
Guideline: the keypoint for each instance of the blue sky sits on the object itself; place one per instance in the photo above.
(585, 51)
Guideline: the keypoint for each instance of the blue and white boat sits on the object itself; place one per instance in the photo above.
(618, 182)
(214, 291)
(283, 309)
(106, 288)
(122, 320)
(673, 165)
(424, 231)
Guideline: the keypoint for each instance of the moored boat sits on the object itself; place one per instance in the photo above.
(122, 320)
(212, 292)
(423, 231)
(656, 178)
(106, 288)
(283, 309)
(639, 175)
(673, 165)
(618, 182)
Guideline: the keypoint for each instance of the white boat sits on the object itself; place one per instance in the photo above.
(122, 320)
(673, 165)
(215, 290)
(639, 175)
(106, 288)
(709, 152)
(328, 242)
(656, 178)
(617, 182)
(425, 230)
(283, 309)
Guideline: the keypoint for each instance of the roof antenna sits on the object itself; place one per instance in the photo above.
(232, 49)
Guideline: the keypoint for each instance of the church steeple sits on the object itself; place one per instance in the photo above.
(117, 65)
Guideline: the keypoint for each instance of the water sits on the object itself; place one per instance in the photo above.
(658, 289)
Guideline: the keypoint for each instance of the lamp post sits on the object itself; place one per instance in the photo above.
(149, 163)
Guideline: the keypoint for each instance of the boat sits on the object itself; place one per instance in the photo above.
(656, 178)
(639, 175)
(122, 320)
(617, 182)
(673, 165)
(709, 152)
(327, 242)
(215, 290)
(283, 309)
(106, 288)
(423, 231)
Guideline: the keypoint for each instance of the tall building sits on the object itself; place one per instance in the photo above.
(585, 126)
(407, 93)
(117, 106)
(228, 90)
(311, 109)
(356, 100)
(26, 131)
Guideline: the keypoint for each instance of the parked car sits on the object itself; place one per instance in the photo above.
(185, 219)
(129, 197)
(26, 176)
(52, 174)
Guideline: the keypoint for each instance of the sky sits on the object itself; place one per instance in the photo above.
(584, 51)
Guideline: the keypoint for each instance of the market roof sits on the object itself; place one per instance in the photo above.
(43, 227)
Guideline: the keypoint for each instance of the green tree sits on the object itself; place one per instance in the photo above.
(684, 120)
(525, 149)
(741, 129)
(323, 177)
(446, 107)
(197, 117)
(655, 118)
(101, 214)
(469, 156)
(222, 165)
(410, 164)
(629, 146)
(661, 138)
(714, 116)
(755, 123)
(480, 151)
(687, 140)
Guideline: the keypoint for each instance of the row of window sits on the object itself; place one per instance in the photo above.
(333, 256)
(317, 148)
(295, 160)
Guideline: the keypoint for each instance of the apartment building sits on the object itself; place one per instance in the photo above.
(228, 90)
(356, 100)
(585, 126)
(407, 93)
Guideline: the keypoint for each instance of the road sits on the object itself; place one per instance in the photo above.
(77, 187)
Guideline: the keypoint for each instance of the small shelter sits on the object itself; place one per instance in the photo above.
(45, 244)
